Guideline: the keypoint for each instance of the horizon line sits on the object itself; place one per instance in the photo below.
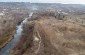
(39, 2)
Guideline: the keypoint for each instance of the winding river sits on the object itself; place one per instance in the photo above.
(17, 35)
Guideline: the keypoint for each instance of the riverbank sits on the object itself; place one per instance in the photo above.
(49, 36)
(6, 40)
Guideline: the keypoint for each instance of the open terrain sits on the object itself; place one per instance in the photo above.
(49, 36)
(8, 23)
(48, 29)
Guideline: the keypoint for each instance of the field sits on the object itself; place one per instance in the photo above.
(50, 36)
(42, 29)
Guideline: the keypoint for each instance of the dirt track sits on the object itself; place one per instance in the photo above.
(52, 37)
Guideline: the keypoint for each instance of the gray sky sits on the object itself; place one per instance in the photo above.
(48, 1)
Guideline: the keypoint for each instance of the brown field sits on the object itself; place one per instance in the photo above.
(51, 37)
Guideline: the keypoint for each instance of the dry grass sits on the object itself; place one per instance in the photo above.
(66, 37)
(56, 38)
(4, 41)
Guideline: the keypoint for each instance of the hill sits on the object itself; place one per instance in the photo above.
(49, 36)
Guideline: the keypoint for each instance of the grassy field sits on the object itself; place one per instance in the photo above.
(49, 36)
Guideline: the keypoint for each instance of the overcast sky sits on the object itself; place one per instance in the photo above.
(48, 1)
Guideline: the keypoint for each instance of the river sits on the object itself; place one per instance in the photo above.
(17, 35)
